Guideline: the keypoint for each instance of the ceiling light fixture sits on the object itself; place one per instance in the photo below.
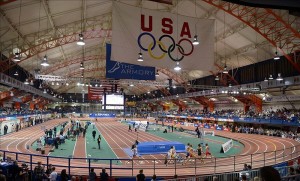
(225, 71)
(157, 74)
(45, 61)
(217, 78)
(131, 85)
(26, 82)
(17, 57)
(140, 57)
(195, 41)
(81, 42)
(279, 78)
(276, 57)
(271, 77)
(81, 66)
(177, 67)
(67, 84)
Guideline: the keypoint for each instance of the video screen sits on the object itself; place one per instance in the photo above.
(114, 99)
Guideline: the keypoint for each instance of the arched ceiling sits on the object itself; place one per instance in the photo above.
(49, 27)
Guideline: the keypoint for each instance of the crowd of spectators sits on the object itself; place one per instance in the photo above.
(5, 111)
(268, 131)
(281, 114)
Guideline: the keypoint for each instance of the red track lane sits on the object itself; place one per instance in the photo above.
(118, 137)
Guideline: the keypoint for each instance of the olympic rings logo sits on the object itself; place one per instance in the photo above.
(165, 50)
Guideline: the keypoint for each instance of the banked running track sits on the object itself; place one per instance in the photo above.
(271, 149)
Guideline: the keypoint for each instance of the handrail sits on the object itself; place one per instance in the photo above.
(213, 117)
(194, 167)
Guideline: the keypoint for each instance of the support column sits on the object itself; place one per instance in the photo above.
(246, 108)
(17, 105)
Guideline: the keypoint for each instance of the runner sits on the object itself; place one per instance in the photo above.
(134, 152)
(207, 151)
(199, 149)
(99, 141)
(129, 128)
(94, 134)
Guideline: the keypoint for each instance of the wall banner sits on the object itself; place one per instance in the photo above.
(119, 70)
(162, 38)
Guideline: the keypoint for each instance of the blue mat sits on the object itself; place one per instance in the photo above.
(161, 147)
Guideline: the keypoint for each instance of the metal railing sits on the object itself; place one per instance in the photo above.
(183, 167)
(250, 175)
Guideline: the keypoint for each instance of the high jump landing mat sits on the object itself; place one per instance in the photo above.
(157, 147)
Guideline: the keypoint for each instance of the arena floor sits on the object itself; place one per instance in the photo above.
(271, 149)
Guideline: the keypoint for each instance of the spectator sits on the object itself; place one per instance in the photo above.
(53, 175)
(245, 167)
(298, 175)
(49, 170)
(153, 178)
(256, 179)
(103, 175)
(39, 172)
(244, 178)
(269, 173)
(63, 175)
(140, 176)
(2, 176)
(215, 178)
(73, 178)
(15, 171)
(92, 175)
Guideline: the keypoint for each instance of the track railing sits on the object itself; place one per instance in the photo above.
(180, 166)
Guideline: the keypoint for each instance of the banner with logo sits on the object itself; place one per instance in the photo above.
(162, 38)
(118, 70)
(226, 146)
(102, 115)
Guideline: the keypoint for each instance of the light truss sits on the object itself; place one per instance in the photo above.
(52, 78)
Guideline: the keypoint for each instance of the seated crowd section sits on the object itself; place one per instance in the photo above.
(12, 112)
(278, 114)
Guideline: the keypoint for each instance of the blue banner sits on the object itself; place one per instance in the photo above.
(102, 115)
(207, 126)
(120, 70)
(219, 127)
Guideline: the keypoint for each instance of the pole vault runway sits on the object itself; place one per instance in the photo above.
(271, 149)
